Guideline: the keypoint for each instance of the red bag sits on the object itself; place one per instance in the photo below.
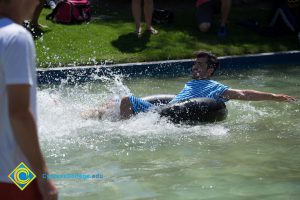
(71, 11)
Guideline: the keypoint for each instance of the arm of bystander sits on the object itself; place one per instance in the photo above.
(25, 132)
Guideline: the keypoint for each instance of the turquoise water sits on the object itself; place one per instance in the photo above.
(253, 154)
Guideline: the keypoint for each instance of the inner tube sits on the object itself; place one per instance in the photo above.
(159, 99)
(190, 111)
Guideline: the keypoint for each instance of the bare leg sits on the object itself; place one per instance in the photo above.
(94, 113)
(125, 108)
(36, 14)
(98, 113)
(136, 12)
(225, 9)
(148, 10)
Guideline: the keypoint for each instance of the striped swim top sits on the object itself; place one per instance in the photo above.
(201, 89)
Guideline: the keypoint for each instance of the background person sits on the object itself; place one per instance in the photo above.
(205, 13)
(148, 12)
(18, 128)
(285, 17)
(35, 27)
(51, 3)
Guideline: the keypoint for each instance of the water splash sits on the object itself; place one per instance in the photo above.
(60, 109)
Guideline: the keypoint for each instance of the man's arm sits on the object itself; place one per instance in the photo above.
(25, 132)
(253, 95)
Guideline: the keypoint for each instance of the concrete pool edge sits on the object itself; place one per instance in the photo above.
(160, 68)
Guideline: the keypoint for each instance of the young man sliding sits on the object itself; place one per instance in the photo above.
(201, 86)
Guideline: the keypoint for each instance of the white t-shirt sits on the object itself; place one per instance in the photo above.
(17, 66)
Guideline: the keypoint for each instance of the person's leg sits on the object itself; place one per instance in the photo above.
(37, 12)
(94, 113)
(205, 16)
(136, 12)
(126, 110)
(34, 27)
(148, 11)
(132, 105)
(290, 18)
(225, 10)
(98, 113)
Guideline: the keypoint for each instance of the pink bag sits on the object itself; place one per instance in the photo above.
(71, 11)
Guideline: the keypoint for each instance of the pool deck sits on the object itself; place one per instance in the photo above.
(169, 68)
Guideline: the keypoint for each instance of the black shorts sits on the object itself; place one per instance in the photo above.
(206, 11)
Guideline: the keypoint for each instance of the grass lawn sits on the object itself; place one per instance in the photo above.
(110, 37)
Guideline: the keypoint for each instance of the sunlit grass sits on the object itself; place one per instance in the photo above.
(112, 40)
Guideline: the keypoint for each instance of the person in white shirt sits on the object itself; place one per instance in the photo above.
(18, 127)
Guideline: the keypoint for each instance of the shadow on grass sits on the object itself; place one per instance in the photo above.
(130, 43)
(185, 20)
(112, 32)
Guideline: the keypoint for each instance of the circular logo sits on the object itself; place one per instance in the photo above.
(21, 176)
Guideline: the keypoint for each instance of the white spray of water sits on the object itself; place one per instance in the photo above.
(60, 111)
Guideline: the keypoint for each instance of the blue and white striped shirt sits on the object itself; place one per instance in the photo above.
(200, 89)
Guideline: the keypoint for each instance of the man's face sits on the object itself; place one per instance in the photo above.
(199, 69)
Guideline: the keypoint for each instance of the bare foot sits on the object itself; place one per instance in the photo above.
(93, 114)
(152, 31)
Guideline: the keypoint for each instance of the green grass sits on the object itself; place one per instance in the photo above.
(112, 39)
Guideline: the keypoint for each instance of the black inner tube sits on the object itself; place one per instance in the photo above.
(191, 111)
(160, 99)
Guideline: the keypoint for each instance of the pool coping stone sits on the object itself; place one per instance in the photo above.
(170, 68)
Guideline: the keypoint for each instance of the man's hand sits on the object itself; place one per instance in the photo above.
(284, 97)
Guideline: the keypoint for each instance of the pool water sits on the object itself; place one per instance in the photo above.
(253, 154)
